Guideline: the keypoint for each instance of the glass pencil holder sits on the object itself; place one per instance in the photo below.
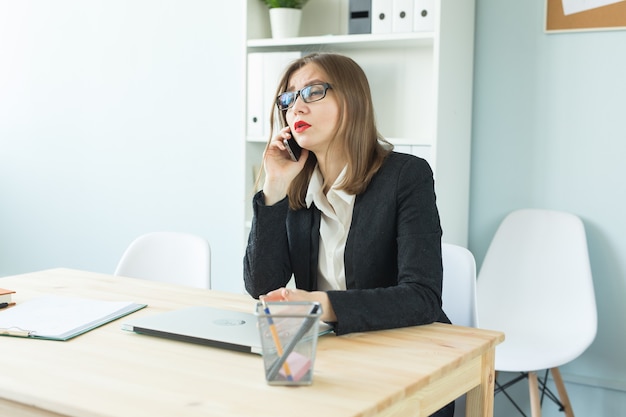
(289, 333)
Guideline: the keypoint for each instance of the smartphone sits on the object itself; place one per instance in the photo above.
(293, 148)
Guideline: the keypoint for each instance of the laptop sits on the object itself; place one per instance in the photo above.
(205, 325)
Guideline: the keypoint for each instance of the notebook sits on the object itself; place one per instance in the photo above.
(205, 325)
(55, 317)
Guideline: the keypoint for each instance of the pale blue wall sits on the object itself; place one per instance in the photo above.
(119, 118)
(550, 131)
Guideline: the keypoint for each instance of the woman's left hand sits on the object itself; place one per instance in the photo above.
(291, 294)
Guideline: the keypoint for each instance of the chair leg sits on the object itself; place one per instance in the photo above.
(533, 388)
(558, 381)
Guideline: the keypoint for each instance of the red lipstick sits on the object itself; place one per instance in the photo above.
(300, 126)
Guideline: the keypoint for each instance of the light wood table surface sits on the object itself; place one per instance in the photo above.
(109, 372)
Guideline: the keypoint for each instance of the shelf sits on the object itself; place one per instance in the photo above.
(410, 39)
(410, 142)
(256, 139)
(421, 86)
(395, 141)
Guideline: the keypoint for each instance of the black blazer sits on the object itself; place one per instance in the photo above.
(392, 255)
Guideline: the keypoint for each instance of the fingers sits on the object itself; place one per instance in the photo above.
(280, 155)
(276, 147)
(276, 295)
(284, 133)
(281, 294)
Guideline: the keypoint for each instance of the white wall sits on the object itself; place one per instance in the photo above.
(119, 118)
(550, 132)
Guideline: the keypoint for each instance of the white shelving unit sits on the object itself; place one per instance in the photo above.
(421, 84)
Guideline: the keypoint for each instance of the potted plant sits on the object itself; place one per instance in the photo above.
(285, 16)
(289, 4)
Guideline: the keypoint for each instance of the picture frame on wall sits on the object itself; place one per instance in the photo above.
(585, 15)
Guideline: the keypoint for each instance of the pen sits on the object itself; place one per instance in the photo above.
(274, 332)
(281, 361)
(5, 305)
(14, 332)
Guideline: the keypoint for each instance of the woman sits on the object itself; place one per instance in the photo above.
(355, 223)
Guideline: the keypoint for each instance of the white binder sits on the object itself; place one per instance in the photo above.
(424, 16)
(402, 16)
(264, 72)
(255, 119)
(382, 15)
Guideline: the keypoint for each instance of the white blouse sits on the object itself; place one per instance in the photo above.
(336, 207)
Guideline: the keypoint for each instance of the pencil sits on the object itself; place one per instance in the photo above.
(274, 332)
(309, 321)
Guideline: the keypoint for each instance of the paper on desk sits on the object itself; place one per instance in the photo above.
(61, 318)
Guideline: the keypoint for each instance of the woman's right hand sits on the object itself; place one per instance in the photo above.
(280, 169)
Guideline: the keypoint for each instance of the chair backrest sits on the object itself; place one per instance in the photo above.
(459, 285)
(535, 284)
(179, 258)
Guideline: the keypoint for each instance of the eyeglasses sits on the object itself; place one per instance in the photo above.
(309, 94)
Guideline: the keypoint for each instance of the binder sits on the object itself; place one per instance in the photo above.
(264, 72)
(55, 317)
(360, 20)
(382, 14)
(402, 16)
(424, 16)
(255, 119)
(274, 65)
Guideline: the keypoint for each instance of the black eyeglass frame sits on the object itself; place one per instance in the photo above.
(304, 97)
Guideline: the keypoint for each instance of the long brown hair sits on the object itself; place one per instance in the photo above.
(357, 136)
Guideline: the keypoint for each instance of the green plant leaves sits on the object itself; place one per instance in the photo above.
(291, 4)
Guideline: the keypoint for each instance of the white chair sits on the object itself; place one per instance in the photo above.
(535, 285)
(179, 258)
(459, 293)
(459, 285)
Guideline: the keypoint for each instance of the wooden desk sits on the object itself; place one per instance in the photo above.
(109, 372)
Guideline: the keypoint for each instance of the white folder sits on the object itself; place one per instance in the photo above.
(424, 16)
(255, 119)
(402, 16)
(382, 15)
(274, 65)
(264, 72)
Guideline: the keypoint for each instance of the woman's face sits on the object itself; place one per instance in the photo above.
(314, 124)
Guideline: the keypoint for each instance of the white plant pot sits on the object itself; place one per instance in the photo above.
(285, 22)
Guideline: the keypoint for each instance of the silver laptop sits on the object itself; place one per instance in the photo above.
(209, 326)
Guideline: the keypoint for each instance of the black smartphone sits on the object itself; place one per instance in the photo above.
(293, 148)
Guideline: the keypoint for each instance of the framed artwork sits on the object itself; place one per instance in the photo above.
(583, 15)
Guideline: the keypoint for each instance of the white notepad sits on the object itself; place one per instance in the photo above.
(61, 318)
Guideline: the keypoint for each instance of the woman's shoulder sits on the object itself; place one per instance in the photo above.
(400, 170)
(401, 161)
